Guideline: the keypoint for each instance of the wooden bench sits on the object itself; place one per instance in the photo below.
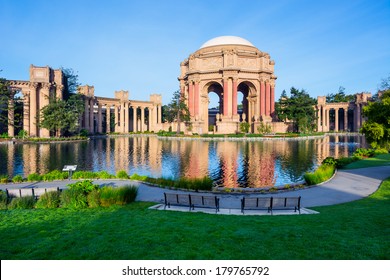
(191, 201)
(271, 203)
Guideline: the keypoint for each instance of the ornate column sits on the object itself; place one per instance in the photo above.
(319, 118)
(100, 119)
(86, 113)
(134, 119)
(44, 100)
(33, 109)
(196, 98)
(142, 119)
(26, 112)
(336, 125)
(91, 112)
(323, 119)
(262, 98)
(159, 113)
(122, 117)
(225, 97)
(267, 99)
(191, 99)
(345, 119)
(150, 125)
(272, 100)
(11, 116)
(108, 118)
(126, 124)
(234, 101)
(116, 128)
(358, 117)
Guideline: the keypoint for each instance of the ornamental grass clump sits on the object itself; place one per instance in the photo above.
(3, 200)
(24, 202)
(49, 200)
(17, 179)
(4, 179)
(34, 177)
(55, 175)
(122, 174)
(204, 183)
(104, 175)
(323, 173)
(117, 196)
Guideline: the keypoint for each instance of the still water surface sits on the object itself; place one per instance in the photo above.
(228, 163)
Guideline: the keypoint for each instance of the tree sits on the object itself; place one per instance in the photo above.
(5, 96)
(299, 109)
(377, 126)
(340, 96)
(71, 82)
(177, 110)
(61, 116)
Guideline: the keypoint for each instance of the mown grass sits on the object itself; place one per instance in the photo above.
(355, 230)
(378, 160)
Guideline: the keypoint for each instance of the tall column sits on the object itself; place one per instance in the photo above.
(336, 125)
(116, 114)
(86, 114)
(267, 99)
(11, 117)
(319, 118)
(142, 119)
(100, 119)
(26, 113)
(150, 125)
(262, 98)
(225, 97)
(345, 119)
(358, 117)
(91, 112)
(122, 117)
(33, 109)
(323, 119)
(234, 103)
(159, 114)
(191, 99)
(44, 101)
(134, 119)
(108, 118)
(196, 98)
(126, 128)
(272, 100)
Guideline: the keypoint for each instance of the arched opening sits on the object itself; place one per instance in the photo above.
(242, 101)
(215, 104)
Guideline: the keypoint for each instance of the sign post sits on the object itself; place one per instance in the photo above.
(70, 169)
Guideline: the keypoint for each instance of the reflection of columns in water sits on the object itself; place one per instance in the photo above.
(228, 154)
(10, 160)
(44, 158)
(261, 165)
(142, 150)
(337, 145)
(135, 151)
(108, 153)
(198, 158)
(155, 155)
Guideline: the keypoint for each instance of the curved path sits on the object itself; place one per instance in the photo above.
(345, 186)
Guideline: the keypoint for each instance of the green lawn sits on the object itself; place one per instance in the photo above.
(379, 160)
(356, 230)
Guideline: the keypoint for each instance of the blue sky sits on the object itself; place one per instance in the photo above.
(138, 45)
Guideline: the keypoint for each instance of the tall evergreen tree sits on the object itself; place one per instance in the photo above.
(177, 110)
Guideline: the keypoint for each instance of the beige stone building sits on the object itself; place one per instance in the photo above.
(45, 83)
(226, 66)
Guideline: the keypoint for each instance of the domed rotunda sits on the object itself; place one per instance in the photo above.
(227, 66)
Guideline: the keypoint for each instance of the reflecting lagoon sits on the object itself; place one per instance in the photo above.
(229, 163)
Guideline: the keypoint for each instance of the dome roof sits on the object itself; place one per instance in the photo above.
(226, 40)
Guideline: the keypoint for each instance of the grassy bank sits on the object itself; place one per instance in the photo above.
(356, 230)
(378, 160)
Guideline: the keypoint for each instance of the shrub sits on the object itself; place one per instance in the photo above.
(137, 177)
(122, 174)
(117, 196)
(3, 200)
(33, 177)
(330, 161)
(55, 175)
(17, 179)
(361, 152)
(343, 161)
(85, 175)
(4, 179)
(323, 173)
(76, 196)
(204, 183)
(104, 175)
(381, 151)
(244, 127)
(24, 202)
(49, 200)
(84, 132)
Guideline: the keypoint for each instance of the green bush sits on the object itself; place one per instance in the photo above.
(104, 175)
(17, 179)
(323, 173)
(122, 174)
(49, 199)
(85, 175)
(204, 183)
(330, 161)
(137, 177)
(33, 177)
(244, 127)
(117, 196)
(343, 161)
(381, 151)
(159, 181)
(55, 175)
(4, 179)
(3, 200)
(361, 153)
(76, 196)
(24, 202)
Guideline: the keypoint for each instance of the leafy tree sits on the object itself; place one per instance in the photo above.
(61, 116)
(5, 96)
(177, 110)
(298, 108)
(71, 82)
(377, 126)
(340, 96)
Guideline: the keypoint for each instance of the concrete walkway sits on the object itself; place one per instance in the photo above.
(345, 186)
